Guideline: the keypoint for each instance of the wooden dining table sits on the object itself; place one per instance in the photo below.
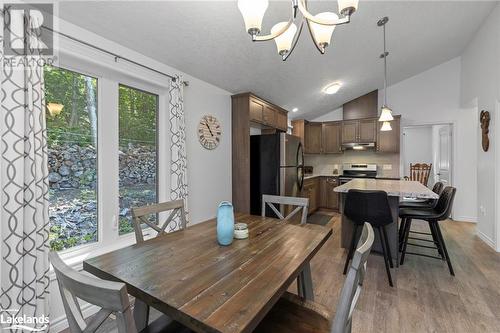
(211, 288)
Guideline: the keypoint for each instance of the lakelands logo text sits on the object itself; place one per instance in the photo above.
(9, 319)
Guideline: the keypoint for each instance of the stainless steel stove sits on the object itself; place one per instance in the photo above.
(357, 170)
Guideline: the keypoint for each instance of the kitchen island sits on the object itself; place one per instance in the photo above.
(396, 190)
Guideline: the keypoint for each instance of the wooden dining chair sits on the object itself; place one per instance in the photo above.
(140, 215)
(420, 172)
(293, 314)
(298, 203)
(111, 297)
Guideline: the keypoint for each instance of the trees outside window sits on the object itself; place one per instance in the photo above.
(72, 157)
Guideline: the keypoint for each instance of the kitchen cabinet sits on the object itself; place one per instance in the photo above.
(312, 139)
(361, 130)
(388, 142)
(331, 137)
(310, 190)
(329, 199)
(249, 110)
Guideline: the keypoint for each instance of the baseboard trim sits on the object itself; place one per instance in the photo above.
(61, 323)
(486, 239)
(471, 219)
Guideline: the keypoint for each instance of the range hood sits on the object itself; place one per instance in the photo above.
(358, 146)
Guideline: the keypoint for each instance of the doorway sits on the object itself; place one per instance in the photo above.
(431, 144)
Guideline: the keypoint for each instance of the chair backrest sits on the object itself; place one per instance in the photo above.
(110, 296)
(420, 172)
(438, 188)
(445, 202)
(141, 215)
(299, 203)
(368, 206)
(353, 283)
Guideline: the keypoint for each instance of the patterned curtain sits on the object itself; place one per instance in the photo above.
(178, 156)
(24, 186)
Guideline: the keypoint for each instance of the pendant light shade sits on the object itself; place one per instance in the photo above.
(348, 6)
(385, 114)
(253, 12)
(285, 40)
(323, 33)
(386, 126)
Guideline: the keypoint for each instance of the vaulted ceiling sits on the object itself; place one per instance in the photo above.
(207, 39)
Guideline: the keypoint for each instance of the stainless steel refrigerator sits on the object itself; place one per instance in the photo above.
(276, 168)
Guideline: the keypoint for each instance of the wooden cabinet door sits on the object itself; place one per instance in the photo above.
(312, 140)
(350, 131)
(282, 121)
(268, 116)
(388, 142)
(331, 138)
(256, 110)
(332, 197)
(323, 191)
(367, 130)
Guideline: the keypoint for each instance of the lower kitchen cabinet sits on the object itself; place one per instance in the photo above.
(310, 190)
(329, 198)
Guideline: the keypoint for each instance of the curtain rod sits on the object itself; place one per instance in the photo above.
(116, 56)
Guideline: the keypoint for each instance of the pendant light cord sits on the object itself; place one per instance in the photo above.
(385, 71)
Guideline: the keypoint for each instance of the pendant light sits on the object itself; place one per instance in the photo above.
(385, 111)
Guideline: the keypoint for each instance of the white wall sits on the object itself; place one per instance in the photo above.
(209, 172)
(480, 90)
(433, 97)
(333, 115)
(418, 146)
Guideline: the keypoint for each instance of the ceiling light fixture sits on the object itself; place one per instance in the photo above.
(385, 111)
(295, 109)
(332, 88)
(286, 34)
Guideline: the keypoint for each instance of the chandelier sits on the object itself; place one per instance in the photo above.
(286, 34)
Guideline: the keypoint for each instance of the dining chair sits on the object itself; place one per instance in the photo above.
(140, 215)
(298, 203)
(294, 314)
(433, 216)
(111, 297)
(420, 172)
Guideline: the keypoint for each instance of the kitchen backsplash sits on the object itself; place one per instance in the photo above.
(387, 164)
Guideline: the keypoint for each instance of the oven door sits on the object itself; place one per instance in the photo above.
(343, 180)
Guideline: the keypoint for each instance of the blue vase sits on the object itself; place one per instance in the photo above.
(225, 223)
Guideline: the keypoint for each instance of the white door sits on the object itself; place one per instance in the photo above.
(443, 167)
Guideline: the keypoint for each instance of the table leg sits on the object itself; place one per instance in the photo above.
(305, 284)
(141, 314)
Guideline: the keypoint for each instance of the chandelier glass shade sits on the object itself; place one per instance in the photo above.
(286, 34)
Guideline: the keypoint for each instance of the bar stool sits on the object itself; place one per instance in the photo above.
(373, 207)
(440, 212)
(430, 203)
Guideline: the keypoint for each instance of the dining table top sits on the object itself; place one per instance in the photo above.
(212, 288)
(397, 188)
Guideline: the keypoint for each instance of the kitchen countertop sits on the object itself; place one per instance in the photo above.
(320, 175)
(398, 188)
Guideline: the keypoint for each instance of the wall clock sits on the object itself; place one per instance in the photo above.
(209, 132)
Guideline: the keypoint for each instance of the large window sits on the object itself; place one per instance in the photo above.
(72, 151)
(138, 152)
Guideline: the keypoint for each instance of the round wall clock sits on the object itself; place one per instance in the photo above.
(209, 132)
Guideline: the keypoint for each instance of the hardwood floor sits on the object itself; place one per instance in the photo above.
(425, 297)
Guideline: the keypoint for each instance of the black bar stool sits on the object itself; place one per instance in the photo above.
(433, 215)
(372, 207)
(431, 203)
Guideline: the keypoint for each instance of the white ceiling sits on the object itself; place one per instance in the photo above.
(207, 39)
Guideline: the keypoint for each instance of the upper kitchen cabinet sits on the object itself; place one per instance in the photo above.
(388, 142)
(361, 130)
(248, 111)
(331, 136)
(361, 107)
(312, 138)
